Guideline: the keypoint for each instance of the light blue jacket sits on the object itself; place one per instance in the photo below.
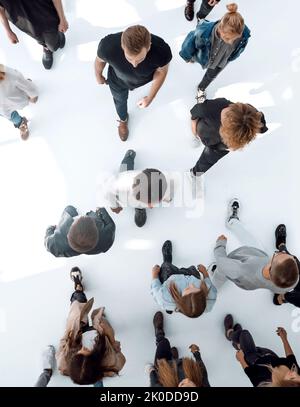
(163, 297)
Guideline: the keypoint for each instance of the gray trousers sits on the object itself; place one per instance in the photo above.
(44, 378)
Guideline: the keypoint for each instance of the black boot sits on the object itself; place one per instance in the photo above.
(280, 236)
(140, 217)
(167, 251)
(189, 10)
(158, 322)
(174, 352)
(47, 58)
(228, 324)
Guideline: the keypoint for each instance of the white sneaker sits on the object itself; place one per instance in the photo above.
(48, 358)
(148, 368)
(201, 96)
(196, 142)
(233, 210)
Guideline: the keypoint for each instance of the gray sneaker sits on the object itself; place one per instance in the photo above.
(48, 358)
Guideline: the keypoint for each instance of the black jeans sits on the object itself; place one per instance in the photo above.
(205, 9)
(78, 296)
(292, 297)
(50, 40)
(119, 94)
(168, 269)
(208, 158)
(209, 76)
(252, 353)
(163, 349)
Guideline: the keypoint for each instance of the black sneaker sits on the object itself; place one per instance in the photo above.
(47, 58)
(233, 209)
(189, 10)
(62, 40)
(140, 217)
(167, 251)
(280, 236)
(228, 324)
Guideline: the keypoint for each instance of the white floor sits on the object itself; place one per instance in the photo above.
(74, 138)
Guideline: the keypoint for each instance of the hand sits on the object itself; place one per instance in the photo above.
(155, 271)
(240, 356)
(145, 102)
(282, 333)
(194, 348)
(33, 100)
(222, 237)
(63, 25)
(117, 346)
(117, 210)
(101, 80)
(12, 37)
(186, 383)
(212, 3)
(202, 270)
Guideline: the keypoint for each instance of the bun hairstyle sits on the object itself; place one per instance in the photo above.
(232, 22)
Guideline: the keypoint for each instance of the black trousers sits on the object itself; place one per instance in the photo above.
(163, 349)
(252, 352)
(168, 269)
(292, 297)
(78, 296)
(50, 40)
(209, 76)
(205, 9)
(208, 158)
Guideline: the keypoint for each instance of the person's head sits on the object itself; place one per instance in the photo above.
(283, 270)
(231, 26)
(150, 186)
(192, 301)
(168, 373)
(2, 72)
(136, 43)
(282, 376)
(83, 235)
(240, 124)
(85, 366)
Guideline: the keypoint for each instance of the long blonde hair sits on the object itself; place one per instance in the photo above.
(232, 22)
(168, 372)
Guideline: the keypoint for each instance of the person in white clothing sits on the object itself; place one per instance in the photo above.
(137, 189)
(16, 92)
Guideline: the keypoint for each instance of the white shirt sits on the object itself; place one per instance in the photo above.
(118, 191)
(15, 92)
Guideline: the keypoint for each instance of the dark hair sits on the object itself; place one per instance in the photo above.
(135, 38)
(83, 235)
(285, 274)
(150, 186)
(88, 369)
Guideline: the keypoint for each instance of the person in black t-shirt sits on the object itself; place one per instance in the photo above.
(135, 57)
(261, 365)
(44, 20)
(223, 126)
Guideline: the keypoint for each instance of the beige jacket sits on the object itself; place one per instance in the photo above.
(79, 313)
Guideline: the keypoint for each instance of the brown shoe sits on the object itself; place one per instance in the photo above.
(158, 322)
(24, 131)
(123, 130)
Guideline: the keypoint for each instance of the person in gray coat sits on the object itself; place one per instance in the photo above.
(93, 233)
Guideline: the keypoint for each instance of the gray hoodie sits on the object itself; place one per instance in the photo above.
(244, 267)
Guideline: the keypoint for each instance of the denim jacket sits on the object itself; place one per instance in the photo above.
(197, 44)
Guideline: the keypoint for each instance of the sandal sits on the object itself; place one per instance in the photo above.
(24, 131)
(76, 277)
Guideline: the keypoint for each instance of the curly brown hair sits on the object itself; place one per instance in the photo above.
(239, 125)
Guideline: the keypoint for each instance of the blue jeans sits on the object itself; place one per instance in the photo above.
(119, 94)
(16, 119)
